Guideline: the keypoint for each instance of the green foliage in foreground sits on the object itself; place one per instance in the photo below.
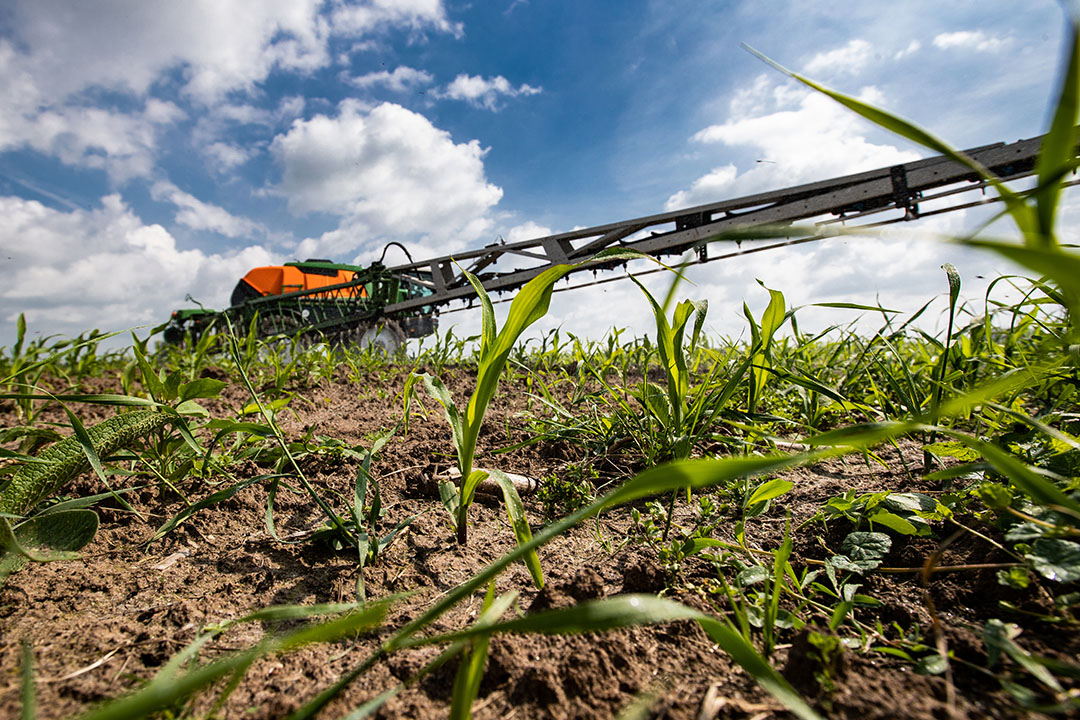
(993, 403)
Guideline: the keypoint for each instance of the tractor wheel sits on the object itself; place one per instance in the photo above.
(384, 337)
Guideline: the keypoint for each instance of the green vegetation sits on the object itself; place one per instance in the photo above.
(990, 407)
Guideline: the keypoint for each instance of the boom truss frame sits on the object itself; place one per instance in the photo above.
(900, 188)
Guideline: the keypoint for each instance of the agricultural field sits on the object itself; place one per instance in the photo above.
(838, 524)
(809, 523)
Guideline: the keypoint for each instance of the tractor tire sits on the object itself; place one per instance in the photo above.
(386, 337)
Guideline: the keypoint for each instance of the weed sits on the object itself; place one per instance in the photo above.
(568, 490)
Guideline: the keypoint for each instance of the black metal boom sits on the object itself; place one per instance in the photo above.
(900, 188)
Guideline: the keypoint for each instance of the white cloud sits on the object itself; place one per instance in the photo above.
(226, 157)
(198, 215)
(221, 46)
(484, 92)
(104, 268)
(416, 15)
(217, 124)
(975, 40)
(388, 172)
(717, 185)
(851, 59)
(122, 144)
(401, 79)
(60, 56)
(527, 230)
(913, 47)
(795, 137)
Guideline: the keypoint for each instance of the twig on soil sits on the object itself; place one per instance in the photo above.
(96, 664)
(980, 535)
(123, 666)
(945, 568)
(904, 570)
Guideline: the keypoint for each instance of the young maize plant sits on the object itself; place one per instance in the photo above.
(671, 410)
(528, 306)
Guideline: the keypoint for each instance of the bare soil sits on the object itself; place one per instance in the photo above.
(104, 624)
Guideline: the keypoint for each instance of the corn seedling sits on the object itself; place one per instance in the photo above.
(528, 306)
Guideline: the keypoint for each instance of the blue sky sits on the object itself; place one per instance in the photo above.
(153, 149)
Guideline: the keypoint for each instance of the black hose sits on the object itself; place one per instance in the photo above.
(403, 248)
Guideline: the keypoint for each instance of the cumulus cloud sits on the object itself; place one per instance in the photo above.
(225, 157)
(221, 46)
(68, 70)
(484, 92)
(104, 268)
(198, 215)
(121, 143)
(399, 80)
(527, 230)
(716, 185)
(387, 172)
(975, 40)
(851, 59)
(795, 137)
(416, 15)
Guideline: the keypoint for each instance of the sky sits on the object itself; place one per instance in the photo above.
(152, 149)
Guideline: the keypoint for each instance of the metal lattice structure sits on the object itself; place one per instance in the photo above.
(403, 301)
(899, 188)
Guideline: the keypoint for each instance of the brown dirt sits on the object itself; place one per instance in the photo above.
(104, 624)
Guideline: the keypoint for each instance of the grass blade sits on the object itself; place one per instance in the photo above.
(1059, 146)
(28, 692)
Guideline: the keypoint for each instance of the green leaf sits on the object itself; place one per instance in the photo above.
(897, 523)
(773, 317)
(854, 306)
(995, 496)
(20, 336)
(769, 490)
(474, 658)
(201, 388)
(450, 498)
(866, 546)
(999, 637)
(933, 664)
(150, 378)
(468, 488)
(952, 449)
(192, 409)
(487, 324)
(516, 511)
(1058, 150)
(910, 502)
(1056, 559)
(752, 575)
(50, 536)
(845, 564)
